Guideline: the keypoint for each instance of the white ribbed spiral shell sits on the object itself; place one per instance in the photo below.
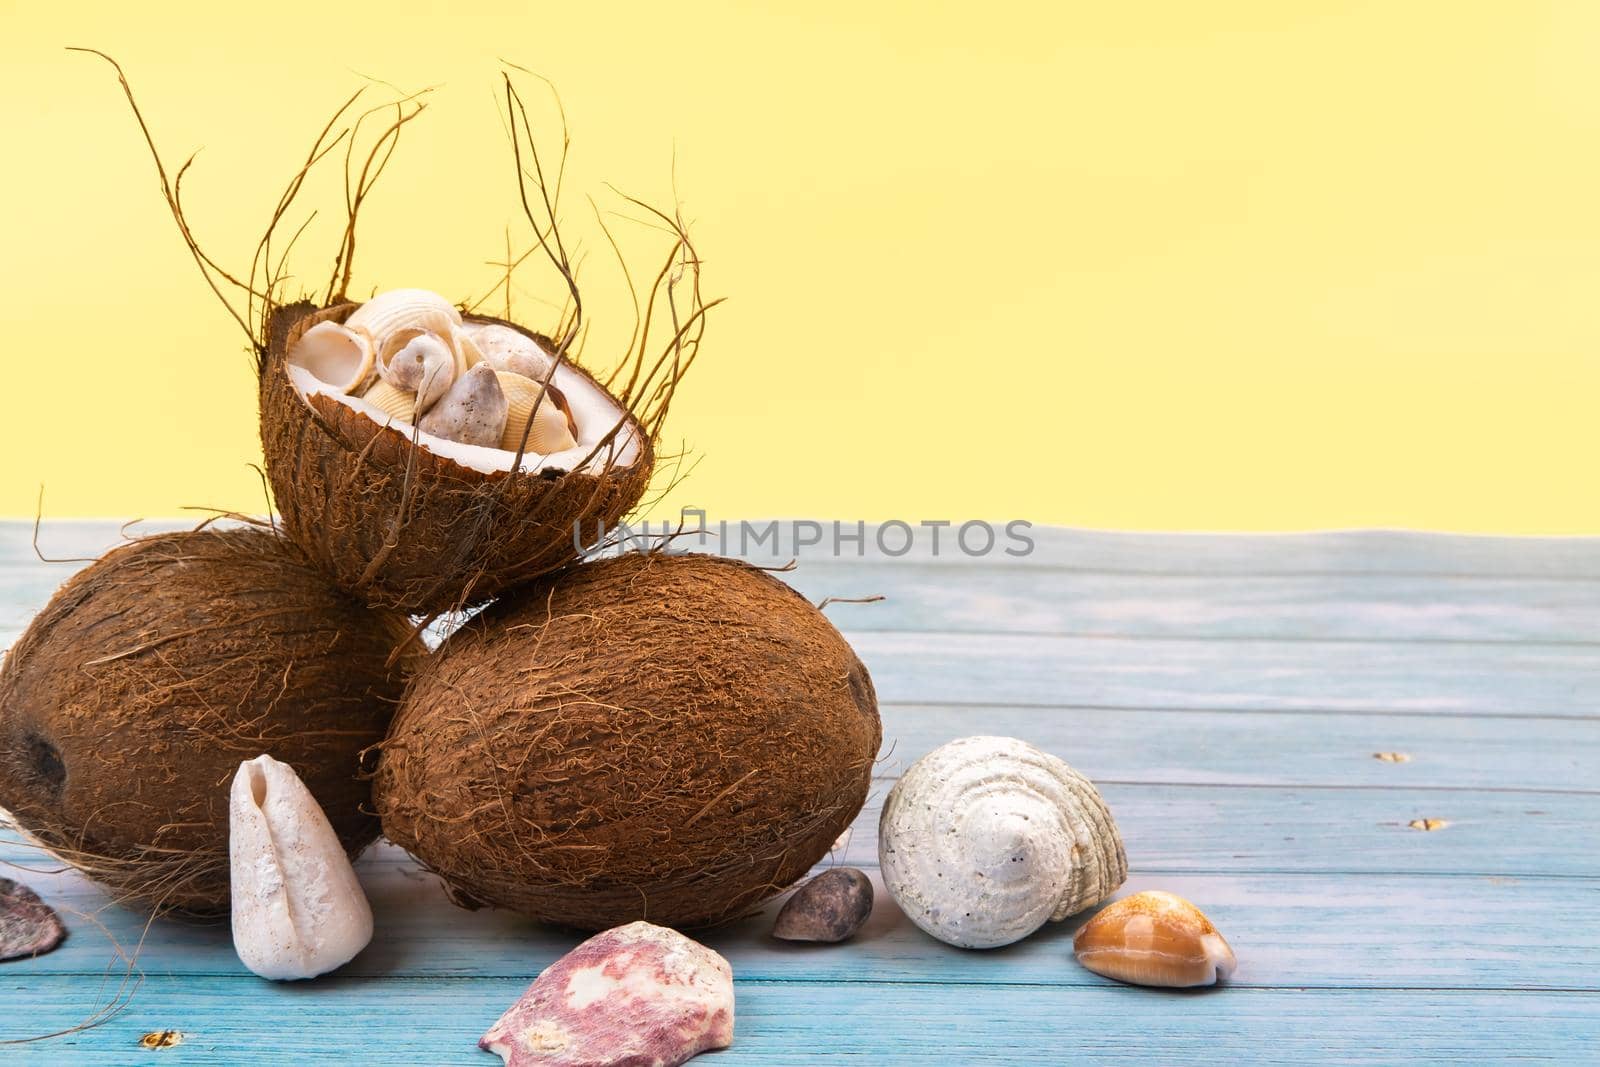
(985, 839)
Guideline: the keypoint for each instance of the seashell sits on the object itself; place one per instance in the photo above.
(638, 993)
(401, 309)
(551, 430)
(28, 926)
(512, 350)
(473, 412)
(831, 907)
(419, 362)
(399, 404)
(298, 910)
(1154, 938)
(986, 839)
(462, 340)
(335, 355)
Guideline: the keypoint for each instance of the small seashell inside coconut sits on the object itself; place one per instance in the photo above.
(400, 405)
(400, 309)
(551, 430)
(335, 355)
(1157, 939)
(511, 350)
(636, 994)
(28, 926)
(419, 362)
(831, 907)
(472, 412)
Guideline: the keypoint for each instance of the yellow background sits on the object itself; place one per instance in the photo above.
(1228, 264)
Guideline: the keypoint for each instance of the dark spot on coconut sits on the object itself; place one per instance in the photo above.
(861, 688)
(45, 764)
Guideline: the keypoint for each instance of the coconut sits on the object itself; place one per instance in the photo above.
(647, 736)
(130, 701)
(412, 521)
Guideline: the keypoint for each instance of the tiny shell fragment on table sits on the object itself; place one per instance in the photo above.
(28, 926)
(831, 907)
(636, 994)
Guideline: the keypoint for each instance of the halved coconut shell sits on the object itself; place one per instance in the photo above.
(406, 527)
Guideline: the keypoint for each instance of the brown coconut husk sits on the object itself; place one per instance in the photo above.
(132, 698)
(405, 528)
(387, 520)
(648, 736)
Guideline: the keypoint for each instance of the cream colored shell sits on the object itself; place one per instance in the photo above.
(421, 362)
(399, 404)
(550, 432)
(335, 355)
(400, 309)
(511, 350)
(986, 839)
(298, 910)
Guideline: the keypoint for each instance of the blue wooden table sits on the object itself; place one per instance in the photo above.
(1229, 694)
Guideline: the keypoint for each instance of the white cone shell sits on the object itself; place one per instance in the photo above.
(298, 910)
(985, 839)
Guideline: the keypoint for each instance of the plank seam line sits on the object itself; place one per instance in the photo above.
(1398, 713)
(1220, 639)
(1581, 991)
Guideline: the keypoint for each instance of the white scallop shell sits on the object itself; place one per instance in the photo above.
(985, 839)
(400, 309)
(550, 432)
(335, 355)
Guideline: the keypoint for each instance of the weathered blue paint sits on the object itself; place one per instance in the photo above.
(1229, 694)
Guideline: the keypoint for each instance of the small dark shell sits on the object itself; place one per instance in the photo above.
(830, 907)
(28, 926)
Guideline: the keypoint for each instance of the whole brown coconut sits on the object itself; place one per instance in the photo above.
(404, 528)
(671, 738)
(134, 695)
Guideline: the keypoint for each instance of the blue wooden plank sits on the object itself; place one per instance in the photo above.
(386, 1022)
(1202, 675)
(988, 599)
(1290, 931)
(1273, 748)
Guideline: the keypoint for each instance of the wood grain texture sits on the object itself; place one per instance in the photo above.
(1228, 694)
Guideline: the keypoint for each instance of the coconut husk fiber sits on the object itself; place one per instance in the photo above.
(403, 528)
(131, 699)
(647, 736)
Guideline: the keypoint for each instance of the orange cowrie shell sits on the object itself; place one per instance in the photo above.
(1156, 939)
